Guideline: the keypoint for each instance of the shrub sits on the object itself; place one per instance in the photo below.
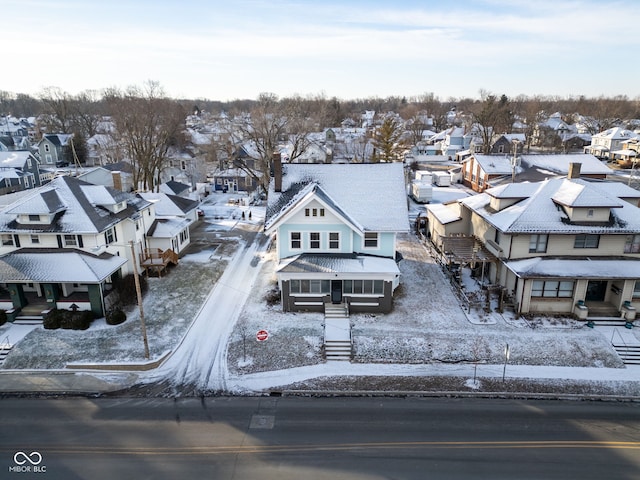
(272, 297)
(115, 316)
(52, 319)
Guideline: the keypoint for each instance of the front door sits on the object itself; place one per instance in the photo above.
(336, 291)
(596, 290)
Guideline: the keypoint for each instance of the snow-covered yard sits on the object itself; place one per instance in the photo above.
(427, 326)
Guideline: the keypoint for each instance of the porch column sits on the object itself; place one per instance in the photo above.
(95, 299)
(16, 292)
(51, 293)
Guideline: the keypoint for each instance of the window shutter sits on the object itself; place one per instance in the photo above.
(80, 242)
(59, 238)
(16, 240)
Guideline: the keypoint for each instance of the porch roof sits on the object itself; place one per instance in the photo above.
(605, 268)
(58, 267)
(339, 263)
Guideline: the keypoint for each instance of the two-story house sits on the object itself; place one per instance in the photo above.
(557, 243)
(603, 144)
(65, 242)
(55, 150)
(335, 227)
(19, 170)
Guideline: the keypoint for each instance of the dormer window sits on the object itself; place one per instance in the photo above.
(34, 218)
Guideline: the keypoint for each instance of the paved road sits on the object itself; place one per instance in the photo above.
(319, 438)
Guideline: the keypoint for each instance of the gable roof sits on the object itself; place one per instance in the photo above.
(15, 159)
(371, 196)
(169, 205)
(79, 206)
(174, 188)
(538, 213)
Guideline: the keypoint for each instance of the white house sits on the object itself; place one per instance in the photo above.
(65, 242)
(174, 217)
(335, 227)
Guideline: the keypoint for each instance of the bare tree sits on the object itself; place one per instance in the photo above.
(58, 110)
(147, 123)
(271, 124)
(491, 116)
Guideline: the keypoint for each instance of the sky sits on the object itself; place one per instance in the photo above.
(237, 49)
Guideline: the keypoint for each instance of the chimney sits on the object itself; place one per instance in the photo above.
(277, 172)
(574, 170)
(117, 180)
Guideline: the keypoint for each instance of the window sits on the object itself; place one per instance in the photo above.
(636, 289)
(47, 148)
(363, 287)
(632, 244)
(307, 212)
(314, 240)
(296, 240)
(586, 241)
(322, 212)
(309, 286)
(334, 240)
(315, 212)
(7, 240)
(552, 288)
(35, 239)
(538, 243)
(371, 240)
(70, 241)
(34, 218)
(590, 213)
(110, 236)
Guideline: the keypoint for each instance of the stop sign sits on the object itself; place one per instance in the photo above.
(262, 335)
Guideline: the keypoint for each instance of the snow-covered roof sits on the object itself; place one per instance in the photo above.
(15, 159)
(339, 263)
(443, 213)
(371, 195)
(168, 227)
(576, 268)
(493, 164)
(58, 267)
(538, 213)
(589, 164)
(78, 204)
(169, 205)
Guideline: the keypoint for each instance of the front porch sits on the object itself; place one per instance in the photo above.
(32, 306)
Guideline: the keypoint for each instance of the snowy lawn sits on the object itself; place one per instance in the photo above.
(169, 307)
(427, 325)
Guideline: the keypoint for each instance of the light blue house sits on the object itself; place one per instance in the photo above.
(335, 227)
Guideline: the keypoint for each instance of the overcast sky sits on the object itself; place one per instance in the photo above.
(223, 50)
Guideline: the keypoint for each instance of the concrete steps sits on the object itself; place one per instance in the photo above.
(338, 350)
(5, 348)
(630, 354)
(28, 320)
(337, 332)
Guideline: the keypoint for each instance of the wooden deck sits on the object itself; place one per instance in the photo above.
(156, 260)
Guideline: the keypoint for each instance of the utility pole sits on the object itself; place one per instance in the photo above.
(143, 327)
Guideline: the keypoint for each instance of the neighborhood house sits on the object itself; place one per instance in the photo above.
(335, 227)
(560, 246)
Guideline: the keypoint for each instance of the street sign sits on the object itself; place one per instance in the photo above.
(262, 335)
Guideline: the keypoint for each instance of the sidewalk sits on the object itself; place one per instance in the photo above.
(87, 383)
